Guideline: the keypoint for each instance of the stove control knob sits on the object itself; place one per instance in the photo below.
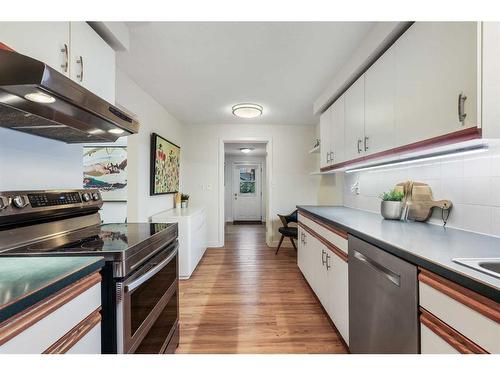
(86, 197)
(95, 196)
(4, 202)
(19, 201)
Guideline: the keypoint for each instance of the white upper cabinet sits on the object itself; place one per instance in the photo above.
(325, 125)
(379, 105)
(337, 131)
(436, 65)
(92, 61)
(355, 120)
(44, 41)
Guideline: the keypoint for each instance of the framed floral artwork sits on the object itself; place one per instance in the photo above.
(165, 166)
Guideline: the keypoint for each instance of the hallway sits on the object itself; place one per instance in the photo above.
(244, 299)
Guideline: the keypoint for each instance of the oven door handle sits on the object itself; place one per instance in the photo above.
(130, 287)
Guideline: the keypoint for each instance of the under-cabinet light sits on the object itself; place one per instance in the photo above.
(417, 159)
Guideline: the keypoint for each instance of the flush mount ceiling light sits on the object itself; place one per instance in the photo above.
(246, 150)
(40, 97)
(247, 110)
(116, 131)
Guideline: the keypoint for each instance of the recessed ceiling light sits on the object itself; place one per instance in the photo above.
(116, 131)
(246, 150)
(247, 110)
(40, 97)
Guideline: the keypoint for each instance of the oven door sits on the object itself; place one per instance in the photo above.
(143, 298)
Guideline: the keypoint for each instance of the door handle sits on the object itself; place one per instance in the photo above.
(328, 262)
(323, 253)
(80, 61)
(65, 65)
(366, 143)
(359, 146)
(392, 276)
(331, 158)
(461, 108)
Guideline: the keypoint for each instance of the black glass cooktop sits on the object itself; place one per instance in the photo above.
(105, 238)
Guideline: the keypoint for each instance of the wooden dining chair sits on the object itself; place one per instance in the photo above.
(286, 231)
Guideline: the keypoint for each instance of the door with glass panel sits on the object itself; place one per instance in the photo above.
(247, 192)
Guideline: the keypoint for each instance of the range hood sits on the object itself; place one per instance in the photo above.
(36, 99)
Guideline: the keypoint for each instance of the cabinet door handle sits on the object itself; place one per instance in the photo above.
(331, 158)
(461, 108)
(359, 146)
(65, 65)
(328, 262)
(366, 143)
(323, 253)
(305, 239)
(80, 61)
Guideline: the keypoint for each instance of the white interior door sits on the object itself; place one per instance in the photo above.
(247, 192)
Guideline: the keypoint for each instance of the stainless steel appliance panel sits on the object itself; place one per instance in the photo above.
(383, 301)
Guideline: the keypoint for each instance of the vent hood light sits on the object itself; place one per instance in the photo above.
(417, 159)
(116, 131)
(246, 150)
(40, 97)
(247, 110)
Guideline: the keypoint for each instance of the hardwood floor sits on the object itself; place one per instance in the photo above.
(244, 299)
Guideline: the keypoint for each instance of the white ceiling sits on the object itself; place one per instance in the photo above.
(198, 70)
(259, 149)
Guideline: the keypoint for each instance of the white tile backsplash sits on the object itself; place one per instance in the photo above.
(472, 183)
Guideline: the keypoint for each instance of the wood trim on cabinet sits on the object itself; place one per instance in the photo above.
(325, 242)
(475, 301)
(448, 334)
(25, 319)
(66, 342)
(442, 140)
(324, 224)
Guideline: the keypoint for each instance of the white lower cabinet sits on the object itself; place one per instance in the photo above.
(338, 293)
(327, 274)
(192, 227)
(67, 322)
(430, 343)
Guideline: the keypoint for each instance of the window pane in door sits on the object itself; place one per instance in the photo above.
(247, 187)
(247, 174)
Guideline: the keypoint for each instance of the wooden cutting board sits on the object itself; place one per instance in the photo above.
(419, 195)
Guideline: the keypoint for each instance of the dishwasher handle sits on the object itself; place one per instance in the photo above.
(393, 277)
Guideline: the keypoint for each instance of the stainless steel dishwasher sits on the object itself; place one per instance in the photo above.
(383, 301)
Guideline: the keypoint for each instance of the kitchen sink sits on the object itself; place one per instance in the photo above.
(490, 266)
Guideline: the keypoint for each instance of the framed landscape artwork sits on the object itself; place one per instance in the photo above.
(105, 168)
(165, 165)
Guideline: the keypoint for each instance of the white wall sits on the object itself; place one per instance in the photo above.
(31, 162)
(291, 184)
(229, 178)
(153, 118)
(471, 182)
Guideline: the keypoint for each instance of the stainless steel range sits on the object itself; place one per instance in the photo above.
(140, 277)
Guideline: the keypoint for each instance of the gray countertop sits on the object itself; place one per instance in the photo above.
(431, 246)
(25, 281)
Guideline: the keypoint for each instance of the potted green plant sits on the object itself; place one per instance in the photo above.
(184, 200)
(391, 206)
